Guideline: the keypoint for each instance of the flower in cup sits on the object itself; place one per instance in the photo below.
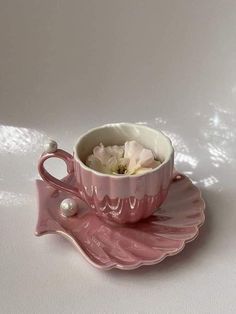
(129, 159)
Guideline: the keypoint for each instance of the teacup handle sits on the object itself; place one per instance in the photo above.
(54, 182)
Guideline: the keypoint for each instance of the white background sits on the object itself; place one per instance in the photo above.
(67, 66)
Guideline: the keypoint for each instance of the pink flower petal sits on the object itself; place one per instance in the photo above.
(132, 149)
(138, 155)
(146, 157)
(155, 164)
(132, 156)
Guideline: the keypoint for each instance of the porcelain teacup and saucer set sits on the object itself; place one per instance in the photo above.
(137, 214)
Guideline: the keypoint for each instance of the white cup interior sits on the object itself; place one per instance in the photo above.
(118, 134)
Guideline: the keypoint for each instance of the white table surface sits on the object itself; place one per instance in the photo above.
(67, 66)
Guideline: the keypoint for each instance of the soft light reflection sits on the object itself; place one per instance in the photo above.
(212, 147)
(219, 108)
(233, 89)
(215, 120)
(141, 122)
(19, 140)
(219, 135)
(218, 154)
(188, 173)
(177, 141)
(14, 199)
(209, 181)
(182, 152)
(160, 120)
(180, 158)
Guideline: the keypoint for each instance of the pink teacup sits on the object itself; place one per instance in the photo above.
(123, 199)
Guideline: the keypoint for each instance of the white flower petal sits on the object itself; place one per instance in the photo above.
(94, 163)
(111, 165)
(105, 153)
(124, 162)
(142, 170)
(131, 158)
(100, 152)
(117, 151)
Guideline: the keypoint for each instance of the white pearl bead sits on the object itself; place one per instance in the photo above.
(68, 207)
(50, 146)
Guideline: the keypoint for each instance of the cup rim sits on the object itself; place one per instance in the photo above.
(85, 167)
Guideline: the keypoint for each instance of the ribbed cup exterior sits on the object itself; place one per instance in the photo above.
(125, 199)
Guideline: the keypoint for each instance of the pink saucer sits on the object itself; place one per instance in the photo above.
(108, 245)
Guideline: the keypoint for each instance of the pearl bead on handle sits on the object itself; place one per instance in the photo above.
(51, 151)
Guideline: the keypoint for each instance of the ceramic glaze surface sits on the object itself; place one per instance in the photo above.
(127, 199)
(108, 245)
(123, 199)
